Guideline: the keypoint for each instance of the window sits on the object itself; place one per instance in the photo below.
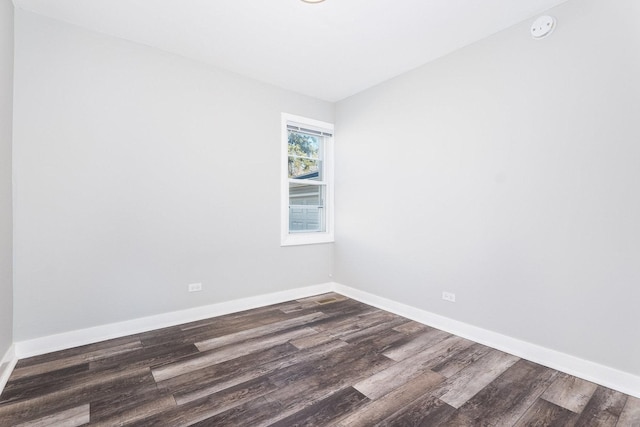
(307, 181)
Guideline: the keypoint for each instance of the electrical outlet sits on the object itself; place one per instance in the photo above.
(448, 296)
(195, 287)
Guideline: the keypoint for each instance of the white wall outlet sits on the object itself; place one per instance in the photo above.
(195, 287)
(448, 296)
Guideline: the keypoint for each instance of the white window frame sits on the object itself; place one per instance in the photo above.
(301, 238)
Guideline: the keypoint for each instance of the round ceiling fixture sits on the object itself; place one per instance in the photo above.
(543, 26)
(313, 1)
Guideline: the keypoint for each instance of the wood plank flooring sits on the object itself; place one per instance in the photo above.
(321, 361)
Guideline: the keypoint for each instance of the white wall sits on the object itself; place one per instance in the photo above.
(6, 221)
(509, 174)
(506, 172)
(138, 172)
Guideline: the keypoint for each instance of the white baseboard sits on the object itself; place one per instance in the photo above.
(7, 363)
(600, 374)
(590, 371)
(95, 334)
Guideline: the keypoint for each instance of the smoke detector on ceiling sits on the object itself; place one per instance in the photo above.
(543, 26)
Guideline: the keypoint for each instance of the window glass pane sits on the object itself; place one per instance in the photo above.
(306, 208)
(305, 156)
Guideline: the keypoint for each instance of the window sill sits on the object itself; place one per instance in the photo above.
(306, 239)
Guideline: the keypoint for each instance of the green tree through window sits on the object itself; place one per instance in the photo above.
(304, 154)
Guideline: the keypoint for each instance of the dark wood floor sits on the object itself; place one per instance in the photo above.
(321, 361)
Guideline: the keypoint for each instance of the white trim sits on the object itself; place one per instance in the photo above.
(79, 337)
(604, 375)
(7, 363)
(294, 239)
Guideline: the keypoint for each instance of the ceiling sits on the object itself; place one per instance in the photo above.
(329, 50)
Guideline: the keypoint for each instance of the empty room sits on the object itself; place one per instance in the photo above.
(320, 213)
